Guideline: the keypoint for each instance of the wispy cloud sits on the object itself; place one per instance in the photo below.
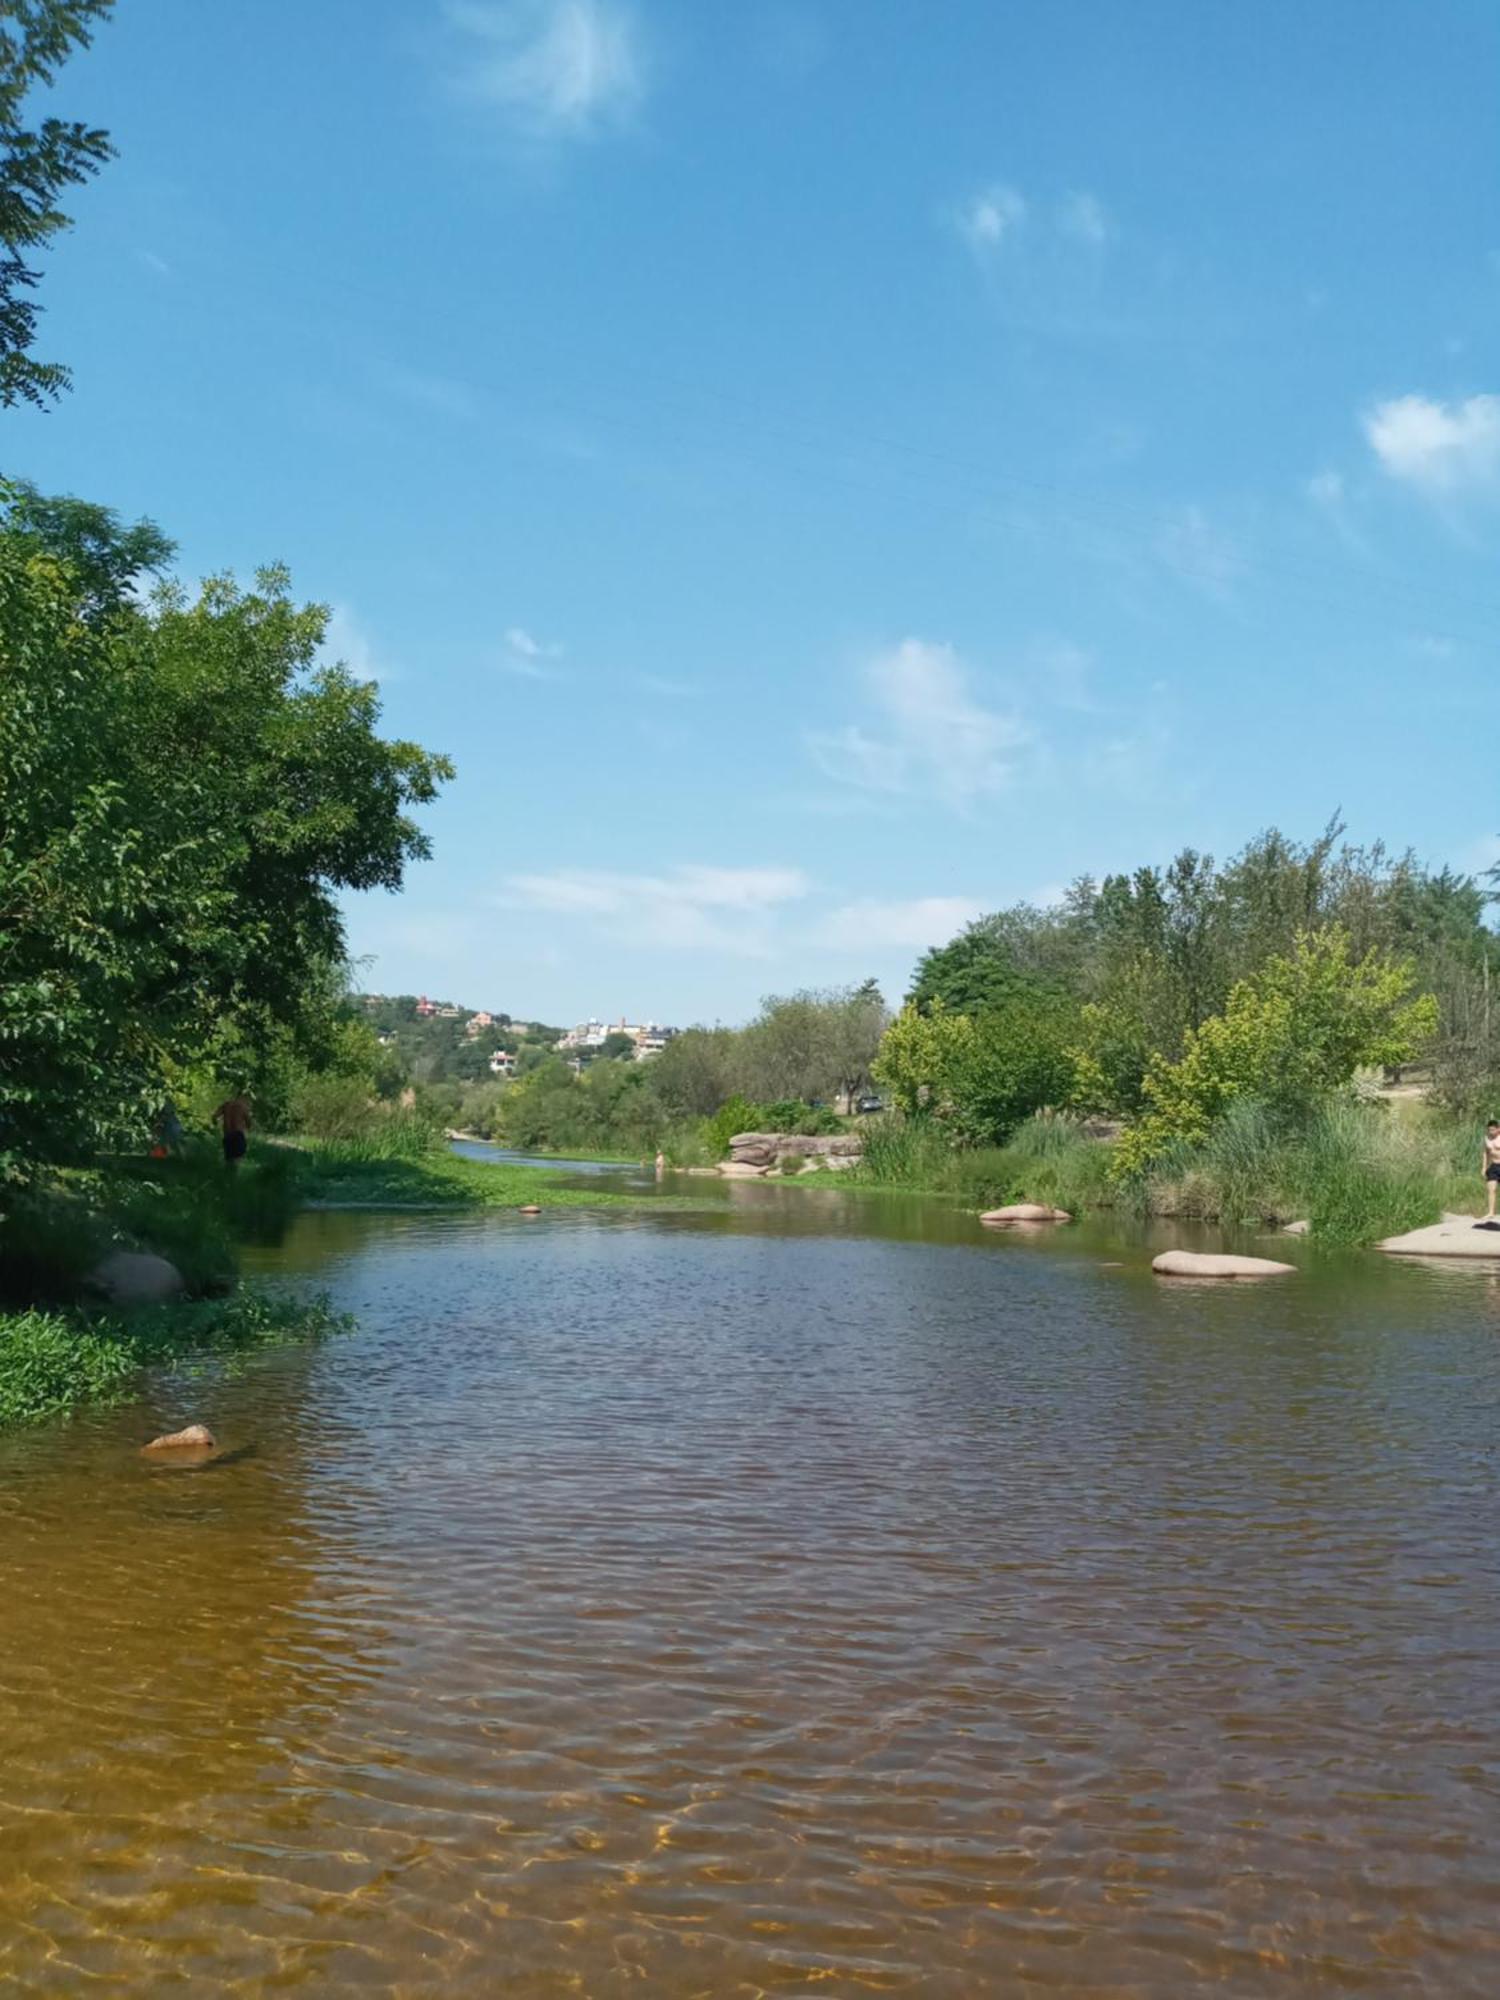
(689, 907)
(347, 643)
(552, 69)
(986, 219)
(1444, 450)
(1198, 550)
(1085, 219)
(910, 926)
(1000, 223)
(1328, 492)
(531, 659)
(931, 734)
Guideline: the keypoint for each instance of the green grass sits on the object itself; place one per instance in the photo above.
(1046, 1159)
(51, 1362)
(348, 1173)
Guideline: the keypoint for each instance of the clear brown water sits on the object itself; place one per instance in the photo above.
(806, 1597)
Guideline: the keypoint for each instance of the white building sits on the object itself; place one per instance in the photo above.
(502, 1063)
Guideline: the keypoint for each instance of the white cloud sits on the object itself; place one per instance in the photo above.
(690, 907)
(529, 657)
(987, 218)
(553, 69)
(933, 736)
(912, 926)
(347, 642)
(1440, 448)
(1085, 219)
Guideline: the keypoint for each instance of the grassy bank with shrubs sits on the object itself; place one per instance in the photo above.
(1356, 1171)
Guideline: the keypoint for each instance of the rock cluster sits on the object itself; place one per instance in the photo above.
(1024, 1211)
(753, 1153)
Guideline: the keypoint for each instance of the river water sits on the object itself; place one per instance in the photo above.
(808, 1595)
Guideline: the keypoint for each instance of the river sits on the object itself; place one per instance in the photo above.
(805, 1594)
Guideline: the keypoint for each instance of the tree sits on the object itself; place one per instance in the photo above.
(1288, 1037)
(36, 165)
(616, 1046)
(183, 792)
(979, 1075)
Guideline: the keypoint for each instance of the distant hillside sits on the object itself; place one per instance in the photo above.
(440, 1042)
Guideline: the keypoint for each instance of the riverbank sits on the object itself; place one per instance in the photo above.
(1355, 1172)
(351, 1175)
(54, 1361)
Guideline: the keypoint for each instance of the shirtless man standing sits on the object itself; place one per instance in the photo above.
(1490, 1165)
(234, 1115)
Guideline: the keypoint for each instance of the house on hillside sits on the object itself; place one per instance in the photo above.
(425, 1009)
(502, 1063)
(477, 1023)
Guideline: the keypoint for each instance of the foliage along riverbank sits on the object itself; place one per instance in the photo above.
(1355, 1172)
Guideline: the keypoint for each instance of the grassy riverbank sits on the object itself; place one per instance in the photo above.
(357, 1174)
(1357, 1172)
(52, 1361)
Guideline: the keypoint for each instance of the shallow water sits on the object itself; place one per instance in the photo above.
(807, 1595)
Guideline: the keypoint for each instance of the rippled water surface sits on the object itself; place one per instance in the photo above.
(804, 1597)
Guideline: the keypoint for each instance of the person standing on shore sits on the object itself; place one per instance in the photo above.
(234, 1115)
(1490, 1167)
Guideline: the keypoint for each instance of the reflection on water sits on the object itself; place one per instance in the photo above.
(807, 1594)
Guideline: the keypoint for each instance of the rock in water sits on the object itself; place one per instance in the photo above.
(1025, 1211)
(196, 1437)
(1297, 1229)
(531, 1208)
(1198, 1264)
(136, 1278)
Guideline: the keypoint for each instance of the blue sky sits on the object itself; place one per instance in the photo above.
(822, 469)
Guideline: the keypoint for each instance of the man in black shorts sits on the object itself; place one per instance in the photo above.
(1490, 1164)
(234, 1115)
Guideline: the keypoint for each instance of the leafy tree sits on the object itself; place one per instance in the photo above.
(1288, 1037)
(692, 1076)
(979, 1075)
(615, 1047)
(37, 163)
(183, 792)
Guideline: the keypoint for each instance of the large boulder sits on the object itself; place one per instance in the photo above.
(1024, 1211)
(136, 1278)
(1204, 1264)
(769, 1149)
(743, 1170)
(1454, 1236)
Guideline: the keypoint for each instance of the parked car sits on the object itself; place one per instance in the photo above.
(867, 1105)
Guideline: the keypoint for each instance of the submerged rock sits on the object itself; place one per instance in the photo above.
(1297, 1229)
(530, 1208)
(1025, 1211)
(195, 1438)
(136, 1278)
(1203, 1264)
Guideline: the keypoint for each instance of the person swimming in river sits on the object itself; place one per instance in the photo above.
(1490, 1167)
(234, 1115)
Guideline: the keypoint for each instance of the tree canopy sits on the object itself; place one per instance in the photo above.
(38, 163)
(185, 787)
